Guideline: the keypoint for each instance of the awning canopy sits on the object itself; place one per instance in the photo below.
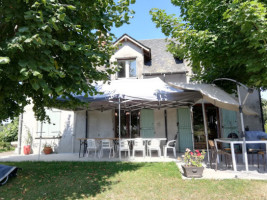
(215, 96)
(153, 93)
(139, 93)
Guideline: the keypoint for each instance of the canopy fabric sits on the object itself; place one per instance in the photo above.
(215, 96)
(153, 89)
(149, 93)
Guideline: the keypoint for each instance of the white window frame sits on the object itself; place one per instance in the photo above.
(127, 68)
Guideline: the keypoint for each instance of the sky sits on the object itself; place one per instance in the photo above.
(141, 26)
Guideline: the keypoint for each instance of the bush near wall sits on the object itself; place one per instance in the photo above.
(9, 131)
(6, 146)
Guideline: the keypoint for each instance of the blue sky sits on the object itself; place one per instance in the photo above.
(141, 26)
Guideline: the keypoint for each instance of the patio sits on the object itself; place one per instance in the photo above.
(222, 173)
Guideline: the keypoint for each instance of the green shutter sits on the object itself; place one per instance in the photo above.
(52, 129)
(184, 129)
(229, 122)
(147, 123)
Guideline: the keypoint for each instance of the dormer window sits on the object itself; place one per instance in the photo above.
(127, 68)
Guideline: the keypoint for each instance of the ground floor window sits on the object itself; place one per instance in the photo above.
(130, 124)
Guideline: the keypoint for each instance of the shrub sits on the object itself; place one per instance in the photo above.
(10, 131)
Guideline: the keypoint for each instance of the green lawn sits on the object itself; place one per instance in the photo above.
(118, 180)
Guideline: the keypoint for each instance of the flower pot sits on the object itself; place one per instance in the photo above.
(47, 150)
(27, 149)
(192, 171)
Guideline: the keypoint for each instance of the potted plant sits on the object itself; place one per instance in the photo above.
(193, 163)
(47, 149)
(28, 141)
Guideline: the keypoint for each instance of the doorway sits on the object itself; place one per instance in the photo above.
(213, 124)
(130, 124)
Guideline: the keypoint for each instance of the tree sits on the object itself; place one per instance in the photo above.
(9, 132)
(52, 48)
(221, 38)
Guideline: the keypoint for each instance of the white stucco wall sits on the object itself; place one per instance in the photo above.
(79, 129)
(159, 123)
(173, 78)
(172, 123)
(62, 144)
(130, 51)
(101, 124)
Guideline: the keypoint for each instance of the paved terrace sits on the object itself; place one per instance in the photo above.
(222, 173)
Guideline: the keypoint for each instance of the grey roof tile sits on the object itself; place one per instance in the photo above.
(161, 60)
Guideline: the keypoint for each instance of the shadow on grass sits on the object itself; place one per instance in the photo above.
(64, 180)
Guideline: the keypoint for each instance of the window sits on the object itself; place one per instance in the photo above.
(127, 69)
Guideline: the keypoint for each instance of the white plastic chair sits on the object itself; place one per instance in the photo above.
(170, 145)
(139, 146)
(154, 146)
(124, 146)
(91, 145)
(106, 145)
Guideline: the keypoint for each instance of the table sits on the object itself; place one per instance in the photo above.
(83, 141)
(233, 142)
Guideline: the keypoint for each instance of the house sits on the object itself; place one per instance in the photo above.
(143, 59)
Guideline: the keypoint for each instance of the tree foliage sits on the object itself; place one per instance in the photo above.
(52, 48)
(9, 132)
(221, 38)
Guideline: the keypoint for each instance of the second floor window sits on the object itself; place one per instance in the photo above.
(127, 68)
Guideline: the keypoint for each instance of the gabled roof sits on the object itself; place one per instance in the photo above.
(125, 37)
(157, 59)
(161, 61)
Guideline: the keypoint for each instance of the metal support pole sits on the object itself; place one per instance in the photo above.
(20, 132)
(244, 148)
(205, 128)
(40, 142)
(119, 127)
(192, 125)
(130, 122)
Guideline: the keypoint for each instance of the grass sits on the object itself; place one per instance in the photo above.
(118, 180)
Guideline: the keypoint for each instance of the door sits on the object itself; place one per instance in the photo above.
(184, 129)
(147, 123)
(229, 122)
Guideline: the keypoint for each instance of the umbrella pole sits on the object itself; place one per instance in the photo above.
(244, 148)
(119, 127)
(205, 128)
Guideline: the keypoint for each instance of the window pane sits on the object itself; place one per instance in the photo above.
(121, 73)
(132, 68)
